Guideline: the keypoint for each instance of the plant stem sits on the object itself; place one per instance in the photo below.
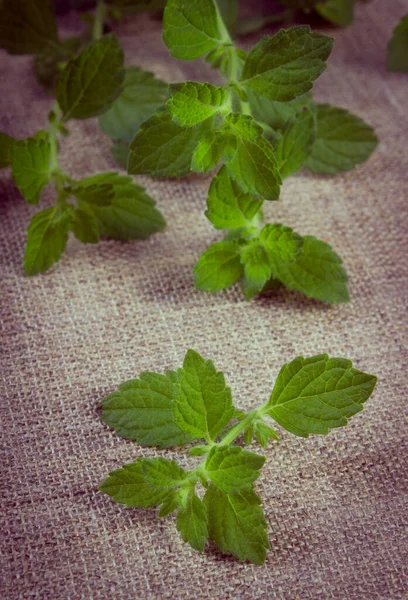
(99, 17)
(238, 428)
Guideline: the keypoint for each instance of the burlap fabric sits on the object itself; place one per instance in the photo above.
(335, 505)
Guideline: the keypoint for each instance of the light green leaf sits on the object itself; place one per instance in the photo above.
(146, 482)
(253, 165)
(317, 272)
(218, 267)
(47, 237)
(264, 433)
(6, 145)
(30, 166)
(228, 206)
(192, 29)
(397, 49)
(236, 523)
(281, 242)
(257, 269)
(339, 12)
(191, 103)
(342, 141)
(162, 148)
(276, 114)
(131, 213)
(295, 144)
(209, 151)
(192, 522)
(142, 95)
(313, 395)
(97, 189)
(84, 227)
(233, 469)
(92, 81)
(204, 406)
(26, 27)
(285, 65)
(142, 410)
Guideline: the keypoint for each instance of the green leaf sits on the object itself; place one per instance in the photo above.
(26, 27)
(281, 242)
(142, 95)
(285, 65)
(192, 29)
(339, 12)
(277, 114)
(30, 166)
(342, 141)
(90, 83)
(299, 4)
(146, 482)
(397, 49)
(47, 237)
(209, 151)
(120, 152)
(84, 227)
(295, 144)
(142, 410)
(313, 395)
(162, 148)
(233, 469)
(192, 522)
(264, 433)
(191, 103)
(218, 267)
(49, 63)
(204, 406)
(229, 10)
(236, 523)
(253, 165)
(131, 213)
(97, 189)
(228, 206)
(257, 269)
(6, 145)
(317, 272)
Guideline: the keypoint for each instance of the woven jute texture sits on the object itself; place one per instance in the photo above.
(336, 506)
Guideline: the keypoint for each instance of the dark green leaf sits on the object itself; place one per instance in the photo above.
(162, 148)
(90, 83)
(339, 12)
(30, 166)
(84, 227)
(397, 50)
(295, 144)
(285, 65)
(6, 145)
(142, 95)
(192, 522)
(277, 114)
(233, 469)
(47, 237)
(27, 27)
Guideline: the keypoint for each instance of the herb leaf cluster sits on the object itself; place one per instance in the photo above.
(217, 499)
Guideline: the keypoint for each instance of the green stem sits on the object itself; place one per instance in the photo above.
(99, 18)
(238, 428)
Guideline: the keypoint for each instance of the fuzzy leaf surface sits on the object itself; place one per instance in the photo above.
(192, 522)
(285, 65)
(316, 394)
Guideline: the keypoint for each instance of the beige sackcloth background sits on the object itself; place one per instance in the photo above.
(336, 506)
